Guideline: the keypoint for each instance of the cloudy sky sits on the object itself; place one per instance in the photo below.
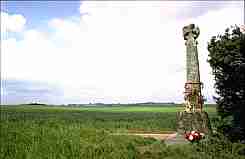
(100, 51)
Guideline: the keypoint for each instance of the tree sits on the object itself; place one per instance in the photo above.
(227, 59)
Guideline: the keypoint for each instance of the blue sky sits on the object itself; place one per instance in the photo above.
(31, 91)
(112, 52)
(39, 12)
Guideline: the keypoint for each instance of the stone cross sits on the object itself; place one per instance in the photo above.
(193, 118)
(193, 97)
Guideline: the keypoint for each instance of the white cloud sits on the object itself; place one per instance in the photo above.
(12, 23)
(122, 51)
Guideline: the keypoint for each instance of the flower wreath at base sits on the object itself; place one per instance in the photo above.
(194, 136)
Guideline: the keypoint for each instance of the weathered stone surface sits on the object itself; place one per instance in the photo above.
(193, 118)
(193, 96)
(191, 33)
(197, 121)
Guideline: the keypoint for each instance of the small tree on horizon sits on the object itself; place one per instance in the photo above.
(227, 59)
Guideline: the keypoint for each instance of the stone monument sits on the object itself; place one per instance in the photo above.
(193, 117)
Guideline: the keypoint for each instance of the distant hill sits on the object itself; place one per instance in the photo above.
(119, 104)
(35, 104)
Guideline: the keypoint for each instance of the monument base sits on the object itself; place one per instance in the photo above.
(189, 121)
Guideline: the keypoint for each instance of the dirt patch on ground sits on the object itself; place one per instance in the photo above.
(135, 131)
(155, 136)
(158, 136)
(168, 138)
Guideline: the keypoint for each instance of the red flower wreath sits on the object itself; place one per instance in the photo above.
(193, 136)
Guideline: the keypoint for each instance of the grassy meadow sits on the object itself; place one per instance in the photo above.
(60, 132)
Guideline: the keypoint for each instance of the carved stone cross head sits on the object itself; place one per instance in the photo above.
(191, 31)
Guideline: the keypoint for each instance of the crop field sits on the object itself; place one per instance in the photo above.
(61, 132)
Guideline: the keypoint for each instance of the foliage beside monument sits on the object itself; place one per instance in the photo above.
(227, 59)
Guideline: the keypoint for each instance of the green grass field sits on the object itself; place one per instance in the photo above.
(45, 132)
(127, 108)
(118, 118)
